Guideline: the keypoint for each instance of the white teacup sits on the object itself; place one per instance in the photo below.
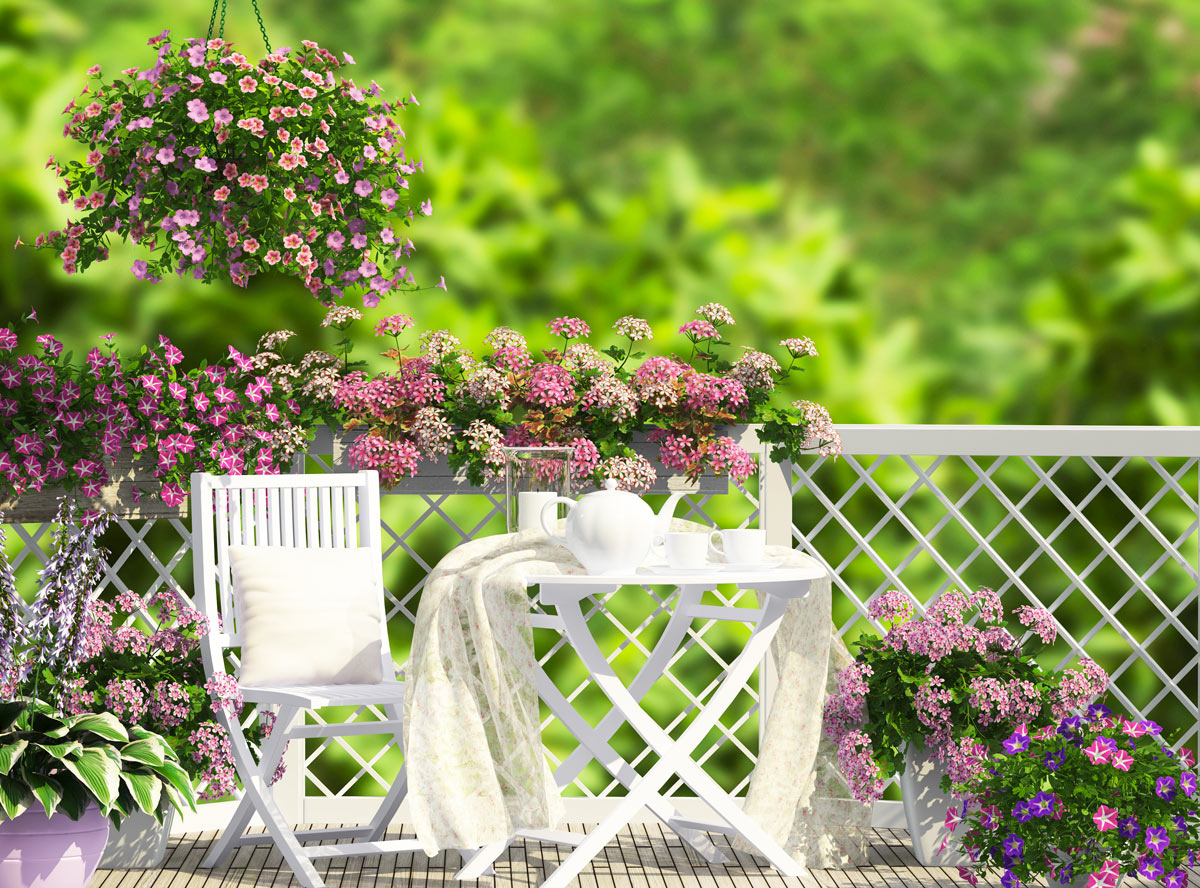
(686, 550)
(743, 546)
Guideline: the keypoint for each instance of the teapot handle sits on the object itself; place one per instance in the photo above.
(570, 504)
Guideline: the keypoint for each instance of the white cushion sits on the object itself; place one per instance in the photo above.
(308, 616)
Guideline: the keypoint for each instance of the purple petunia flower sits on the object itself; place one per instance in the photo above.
(1054, 759)
(1176, 878)
(1187, 782)
(1014, 845)
(1150, 867)
(1009, 880)
(1017, 742)
(1022, 812)
(1156, 839)
(1128, 827)
(1042, 804)
(1164, 788)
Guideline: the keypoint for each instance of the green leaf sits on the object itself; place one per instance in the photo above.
(61, 750)
(14, 797)
(147, 751)
(9, 712)
(75, 798)
(179, 779)
(46, 790)
(146, 789)
(10, 753)
(104, 724)
(98, 772)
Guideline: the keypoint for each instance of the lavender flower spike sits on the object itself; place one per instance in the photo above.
(12, 629)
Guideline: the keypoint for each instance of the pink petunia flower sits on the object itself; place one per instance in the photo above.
(248, 84)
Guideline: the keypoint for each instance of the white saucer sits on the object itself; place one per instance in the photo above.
(761, 565)
(683, 571)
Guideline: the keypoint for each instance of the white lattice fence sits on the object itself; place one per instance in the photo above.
(1097, 524)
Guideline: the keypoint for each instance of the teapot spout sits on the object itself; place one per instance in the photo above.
(662, 523)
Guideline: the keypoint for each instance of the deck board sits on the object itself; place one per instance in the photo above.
(643, 856)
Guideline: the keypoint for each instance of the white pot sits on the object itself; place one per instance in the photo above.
(925, 807)
(140, 843)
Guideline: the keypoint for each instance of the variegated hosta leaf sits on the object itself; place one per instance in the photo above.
(10, 752)
(46, 790)
(104, 724)
(14, 797)
(146, 789)
(98, 772)
(146, 751)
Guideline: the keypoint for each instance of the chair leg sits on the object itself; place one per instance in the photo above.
(271, 752)
(259, 797)
(281, 831)
(399, 789)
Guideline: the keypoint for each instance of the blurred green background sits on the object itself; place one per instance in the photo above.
(980, 210)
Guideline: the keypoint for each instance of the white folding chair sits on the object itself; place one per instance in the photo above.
(310, 511)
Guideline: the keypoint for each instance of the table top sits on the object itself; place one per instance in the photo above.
(713, 574)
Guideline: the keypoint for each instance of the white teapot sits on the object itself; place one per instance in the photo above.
(609, 531)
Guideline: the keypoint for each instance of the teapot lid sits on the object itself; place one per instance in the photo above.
(610, 484)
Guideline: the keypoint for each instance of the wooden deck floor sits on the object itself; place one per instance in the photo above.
(642, 857)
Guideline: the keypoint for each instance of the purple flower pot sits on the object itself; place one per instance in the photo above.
(36, 852)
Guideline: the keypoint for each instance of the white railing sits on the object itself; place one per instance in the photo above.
(1098, 524)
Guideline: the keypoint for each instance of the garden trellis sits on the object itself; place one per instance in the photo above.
(1100, 525)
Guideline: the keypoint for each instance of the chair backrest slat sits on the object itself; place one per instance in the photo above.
(308, 511)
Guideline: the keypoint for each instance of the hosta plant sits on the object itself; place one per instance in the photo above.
(67, 763)
(1092, 797)
(220, 167)
(50, 757)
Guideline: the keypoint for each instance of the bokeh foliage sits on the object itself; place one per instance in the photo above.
(981, 210)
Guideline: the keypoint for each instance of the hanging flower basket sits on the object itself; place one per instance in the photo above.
(224, 168)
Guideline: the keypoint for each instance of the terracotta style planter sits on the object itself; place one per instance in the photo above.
(55, 852)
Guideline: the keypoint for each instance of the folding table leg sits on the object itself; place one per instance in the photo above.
(674, 756)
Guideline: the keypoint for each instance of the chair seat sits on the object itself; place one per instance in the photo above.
(316, 696)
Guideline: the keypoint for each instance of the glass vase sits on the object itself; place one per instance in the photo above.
(533, 477)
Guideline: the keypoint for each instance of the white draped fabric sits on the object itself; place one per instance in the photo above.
(476, 768)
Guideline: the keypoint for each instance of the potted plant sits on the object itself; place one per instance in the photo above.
(442, 401)
(68, 422)
(224, 168)
(142, 664)
(64, 777)
(1086, 801)
(935, 695)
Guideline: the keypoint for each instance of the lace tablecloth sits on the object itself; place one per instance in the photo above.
(476, 768)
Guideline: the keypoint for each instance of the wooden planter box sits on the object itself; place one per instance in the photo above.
(36, 507)
(330, 446)
(438, 478)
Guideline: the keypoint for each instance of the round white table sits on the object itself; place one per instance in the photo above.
(566, 595)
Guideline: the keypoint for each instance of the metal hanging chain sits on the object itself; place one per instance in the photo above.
(212, 19)
(261, 27)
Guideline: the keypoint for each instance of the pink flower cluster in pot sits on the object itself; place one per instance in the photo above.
(65, 421)
(154, 678)
(444, 401)
(224, 168)
(952, 687)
